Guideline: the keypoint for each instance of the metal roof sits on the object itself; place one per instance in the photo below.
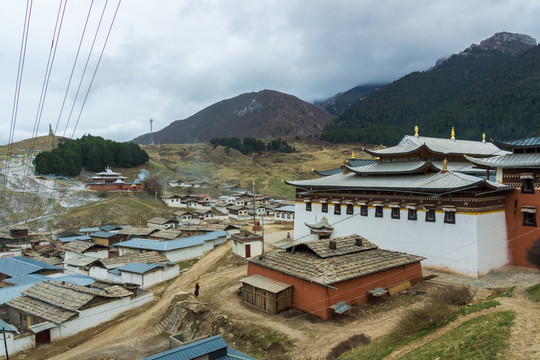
(19, 265)
(91, 229)
(169, 245)
(431, 182)
(71, 238)
(531, 142)
(400, 167)
(289, 208)
(531, 160)
(410, 144)
(329, 171)
(103, 234)
(262, 282)
(139, 268)
(201, 348)
(110, 227)
(7, 327)
(11, 292)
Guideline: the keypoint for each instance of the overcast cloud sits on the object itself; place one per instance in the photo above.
(166, 60)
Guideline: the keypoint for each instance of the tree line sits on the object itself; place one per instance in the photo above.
(250, 145)
(91, 152)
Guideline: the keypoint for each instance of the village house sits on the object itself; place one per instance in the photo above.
(120, 269)
(173, 201)
(325, 277)
(239, 213)
(284, 213)
(61, 241)
(175, 250)
(246, 244)
(166, 234)
(222, 206)
(162, 223)
(193, 230)
(129, 233)
(106, 238)
(110, 180)
(53, 310)
(422, 197)
(87, 248)
(184, 216)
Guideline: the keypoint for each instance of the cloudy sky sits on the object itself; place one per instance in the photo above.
(168, 59)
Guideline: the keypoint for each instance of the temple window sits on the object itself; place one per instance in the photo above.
(529, 215)
(527, 183)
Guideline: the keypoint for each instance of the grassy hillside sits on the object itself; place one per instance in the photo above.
(219, 168)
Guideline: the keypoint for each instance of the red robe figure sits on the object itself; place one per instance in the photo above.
(197, 287)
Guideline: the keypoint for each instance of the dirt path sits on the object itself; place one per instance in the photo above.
(524, 342)
(136, 335)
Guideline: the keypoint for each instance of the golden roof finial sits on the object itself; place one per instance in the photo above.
(416, 131)
(453, 135)
(352, 155)
(445, 165)
(484, 137)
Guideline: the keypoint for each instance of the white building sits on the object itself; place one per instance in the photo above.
(412, 201)
(284, 213)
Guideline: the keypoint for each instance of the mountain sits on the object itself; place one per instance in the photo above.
(492, 87)
(340, 102)
(264, 114)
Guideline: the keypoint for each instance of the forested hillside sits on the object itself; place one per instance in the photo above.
(480, 90)
(92, 152)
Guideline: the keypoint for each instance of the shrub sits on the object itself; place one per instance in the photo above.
(347, 345)
(414, 320)
(454, 295)
(533, 253)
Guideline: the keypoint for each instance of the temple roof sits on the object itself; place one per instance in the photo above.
(322, 224)
(411, 144)
(532, 142)
(402, 167)
(430, 182)
(531, 160)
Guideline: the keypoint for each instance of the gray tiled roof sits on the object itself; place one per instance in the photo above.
(307, 265)
(431, 182)
(143, 258)
(41, 309)
(410, 144)
(329, 171)
(401, 167)
(509, 161)
(80, 246)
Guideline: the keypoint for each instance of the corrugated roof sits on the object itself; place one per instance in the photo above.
(431, 182)
(201, 348)
(161, 221)
(169, 234)
(176, 244)
(509, 161)
(139, 268)
(262, 282)
(72, 238)
(41, 309)
(103, 234)
(289, 208)
(19, 265)
(7, 327)
(80, 246)
(330, 270)
(410, 144)
(143, 258)
(90, 229)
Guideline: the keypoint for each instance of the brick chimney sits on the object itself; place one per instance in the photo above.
(359, 242)
(332, 245)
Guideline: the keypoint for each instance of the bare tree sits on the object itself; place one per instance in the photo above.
(533, 253)
(153, 184)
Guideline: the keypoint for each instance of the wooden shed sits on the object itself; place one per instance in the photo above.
(267, 294)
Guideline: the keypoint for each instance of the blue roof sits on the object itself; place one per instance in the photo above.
(12, 292)
(110, 227)
(92, 229)
(139, 268)
(103, 234)
(71, 238)
(169, 245)
(8, 327)
(26, 279)
(19, 265)
(77, 279)
(201, 348)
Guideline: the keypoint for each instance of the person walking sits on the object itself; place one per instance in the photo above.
(197, 287)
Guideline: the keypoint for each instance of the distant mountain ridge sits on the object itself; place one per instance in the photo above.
(340, 102)
(263, 114)
(492, 87)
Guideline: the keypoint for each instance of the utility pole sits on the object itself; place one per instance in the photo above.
(254, 220)
(5, 343)
(151, 143)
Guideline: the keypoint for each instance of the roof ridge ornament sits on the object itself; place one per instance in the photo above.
(484, 138)
(444, 166)
(416, 131)
(453, 134)
(352, 155)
